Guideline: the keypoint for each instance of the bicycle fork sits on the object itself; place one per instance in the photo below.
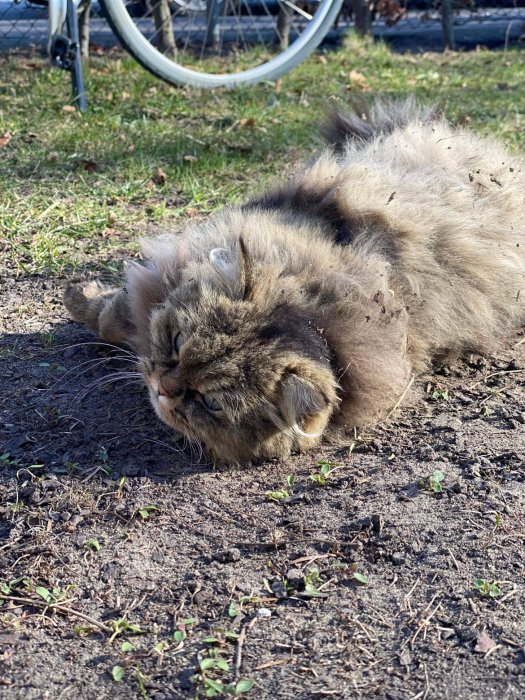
(64, 49)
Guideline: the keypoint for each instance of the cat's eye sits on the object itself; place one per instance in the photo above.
(211, 402)
(178, 342)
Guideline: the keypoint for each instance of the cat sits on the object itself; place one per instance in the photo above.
(306, 311)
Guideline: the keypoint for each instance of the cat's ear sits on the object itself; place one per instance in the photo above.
(304, 406)
(234, 269)
(246, 263)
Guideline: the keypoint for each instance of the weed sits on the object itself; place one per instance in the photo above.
(210, 678)
(277, 496)
(433, 482)
(118, 673)
(487, 588)
(122, 625)
(55, 595)
(181, 632)
(281, 494)
(440, 395)
(360, 578)
(326, 469)
(93, 545)
(7, 461)
(312, 582)
(48, 338)
(146, 511)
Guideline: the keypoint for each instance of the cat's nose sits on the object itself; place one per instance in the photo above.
(170, 386)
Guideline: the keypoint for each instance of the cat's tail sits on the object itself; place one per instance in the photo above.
(362, 123)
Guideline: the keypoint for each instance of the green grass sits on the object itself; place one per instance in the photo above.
(74, 189)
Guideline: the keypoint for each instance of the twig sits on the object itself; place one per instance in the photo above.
(271, 664)
(60, 608)
(406, 599)
(507, 596)
(453, 558)
(496, 374)
(400, 400)
(370, 639)
(238, 654)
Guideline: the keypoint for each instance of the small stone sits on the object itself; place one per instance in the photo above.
(295, 577)
(377, 523)
(397, 558)
(279, 589)
(228, 555)
(201, 597)
(447, 632)
(467, 634)
(264, 612)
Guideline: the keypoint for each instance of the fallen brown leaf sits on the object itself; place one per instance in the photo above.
(484, 643)
(247, 123)
(359, 79)
(5, 138)
(160, 177)
(88, 165)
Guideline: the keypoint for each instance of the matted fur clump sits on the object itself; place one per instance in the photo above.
(306, 311)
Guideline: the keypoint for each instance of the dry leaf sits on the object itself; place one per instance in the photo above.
(322, 59)
(405, 658)
(88, 165)
(160, 177)
(484, 643)
(5, 138)
(248, 123)
(359, 79)
(190, 158)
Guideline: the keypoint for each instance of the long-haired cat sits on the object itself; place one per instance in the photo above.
(305, 312)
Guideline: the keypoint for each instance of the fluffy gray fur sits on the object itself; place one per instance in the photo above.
(306, 311)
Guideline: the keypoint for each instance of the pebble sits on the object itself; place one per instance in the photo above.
(295, 577)
(397, 558)
(264, 612)
(467, 634)
(228, 555)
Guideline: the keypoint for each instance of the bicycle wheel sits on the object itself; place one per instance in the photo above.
(214, 43)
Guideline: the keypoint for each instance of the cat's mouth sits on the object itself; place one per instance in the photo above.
(165, 409)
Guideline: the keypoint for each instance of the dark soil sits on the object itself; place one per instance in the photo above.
(103, 509)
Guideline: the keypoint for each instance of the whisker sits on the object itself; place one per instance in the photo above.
(102, 344)
(178, 450)
(91, 364)
(102, 381)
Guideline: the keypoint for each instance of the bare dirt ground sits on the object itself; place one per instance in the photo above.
(120, 555)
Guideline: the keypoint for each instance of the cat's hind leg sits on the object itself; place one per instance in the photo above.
(103, 309)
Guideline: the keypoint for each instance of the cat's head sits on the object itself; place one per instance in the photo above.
(230, 359)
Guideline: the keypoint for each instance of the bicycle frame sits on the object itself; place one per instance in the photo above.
(64, 49)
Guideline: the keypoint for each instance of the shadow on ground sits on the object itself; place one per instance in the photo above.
(107, 537)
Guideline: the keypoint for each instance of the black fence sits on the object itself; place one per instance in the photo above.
(413, 25)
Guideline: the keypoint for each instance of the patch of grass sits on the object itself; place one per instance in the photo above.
(76, 190)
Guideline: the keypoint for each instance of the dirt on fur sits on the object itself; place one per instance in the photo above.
(130, 568)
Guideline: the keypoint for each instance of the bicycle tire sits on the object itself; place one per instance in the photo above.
(136, 43)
